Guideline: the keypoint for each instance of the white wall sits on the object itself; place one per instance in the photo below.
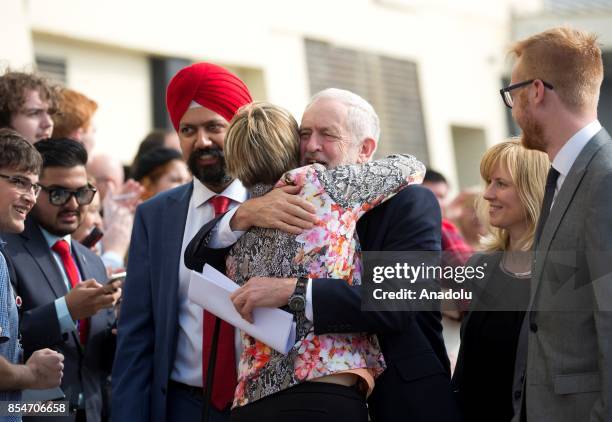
(16, 46)
(601, 24)
(458, 48)
(461, 78)
(117, 80)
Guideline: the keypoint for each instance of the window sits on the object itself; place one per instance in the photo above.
(53, 68)
(391, 85)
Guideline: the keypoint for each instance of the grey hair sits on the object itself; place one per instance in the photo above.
(362, 120)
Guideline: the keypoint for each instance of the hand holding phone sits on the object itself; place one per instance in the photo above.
(117, 276)
(115, 281)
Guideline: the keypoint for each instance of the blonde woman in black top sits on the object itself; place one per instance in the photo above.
(509, 206)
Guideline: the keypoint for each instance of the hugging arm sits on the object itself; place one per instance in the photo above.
(408, 222)
(198, 252)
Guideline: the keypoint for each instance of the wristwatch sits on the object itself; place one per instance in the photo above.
(297, 301)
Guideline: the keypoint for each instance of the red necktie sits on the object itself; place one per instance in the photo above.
(62, 248)
(224, 382)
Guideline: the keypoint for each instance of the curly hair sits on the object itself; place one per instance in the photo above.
(13, 86)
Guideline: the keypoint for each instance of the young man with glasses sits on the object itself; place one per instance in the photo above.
(27, 105)
(66, 303)
(19, 168)
(563, 366)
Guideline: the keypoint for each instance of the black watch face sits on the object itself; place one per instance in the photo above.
(297, 303)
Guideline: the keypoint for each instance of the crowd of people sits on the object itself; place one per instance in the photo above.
(96, 257)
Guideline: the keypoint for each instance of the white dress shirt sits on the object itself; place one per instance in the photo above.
(565, 158)
(188, 361)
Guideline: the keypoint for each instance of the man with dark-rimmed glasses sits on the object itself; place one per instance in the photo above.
(506, 92)
(19, 168)
(563, 369)
(66, 303)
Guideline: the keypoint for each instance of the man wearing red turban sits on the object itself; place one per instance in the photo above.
(163, 338)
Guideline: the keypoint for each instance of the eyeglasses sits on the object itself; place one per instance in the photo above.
(22, 184)
(60, 196)
(507, 97)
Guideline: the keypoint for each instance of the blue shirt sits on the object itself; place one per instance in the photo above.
(10, 348)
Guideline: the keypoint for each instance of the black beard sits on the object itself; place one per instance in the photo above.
(211, 175)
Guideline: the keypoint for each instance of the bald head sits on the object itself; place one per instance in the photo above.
(108, 172)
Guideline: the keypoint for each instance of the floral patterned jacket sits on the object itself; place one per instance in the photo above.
(329, 250)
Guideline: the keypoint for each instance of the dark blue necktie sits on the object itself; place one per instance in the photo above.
(549, 194)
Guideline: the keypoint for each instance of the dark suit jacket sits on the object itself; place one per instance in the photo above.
(412, 343)
(39, 282)
(480, 400)
(491, 261)
(148, 325)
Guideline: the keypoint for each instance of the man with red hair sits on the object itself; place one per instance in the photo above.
(74, 120)
(163, 339)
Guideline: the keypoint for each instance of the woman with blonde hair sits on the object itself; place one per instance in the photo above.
(509, 207)
(328, 374)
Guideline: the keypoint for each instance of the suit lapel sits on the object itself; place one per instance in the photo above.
(175, 217)
(37, 246)
(562, 202)
(81, 262)
(103, 318)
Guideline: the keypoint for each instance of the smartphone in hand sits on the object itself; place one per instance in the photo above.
(92, 238)
(115, 281)
(117, 276)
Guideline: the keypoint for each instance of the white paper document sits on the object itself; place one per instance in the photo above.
(211, 290)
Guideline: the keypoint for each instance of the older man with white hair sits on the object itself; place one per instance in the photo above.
(339, 127)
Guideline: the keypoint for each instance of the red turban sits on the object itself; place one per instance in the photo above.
(210, 86)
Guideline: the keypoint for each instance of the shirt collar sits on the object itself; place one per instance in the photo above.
(567, 155)
(201, 194)
(52, 239)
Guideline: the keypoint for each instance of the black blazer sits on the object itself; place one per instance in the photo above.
(411, 342)
(480, 400)
(38, 281)
(490, 261)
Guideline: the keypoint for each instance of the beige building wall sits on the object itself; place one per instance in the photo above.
(16, 47)
(458, 48)
(118, 80)
(592, 19)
